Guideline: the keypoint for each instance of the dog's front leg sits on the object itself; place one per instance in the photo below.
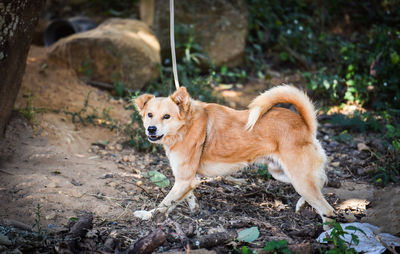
(179, 191)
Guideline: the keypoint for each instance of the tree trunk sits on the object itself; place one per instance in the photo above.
(18, 19)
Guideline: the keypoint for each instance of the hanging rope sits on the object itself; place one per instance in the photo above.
(172, 36)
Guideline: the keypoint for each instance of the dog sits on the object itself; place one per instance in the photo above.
(213, 140)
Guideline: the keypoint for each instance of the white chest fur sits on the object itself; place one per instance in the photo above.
(175, 160)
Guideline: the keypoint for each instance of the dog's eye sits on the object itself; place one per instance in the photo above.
(166, 116)
(150, 115)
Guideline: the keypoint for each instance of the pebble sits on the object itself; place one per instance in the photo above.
(362, 147)
(128, 158)
(4, 240)
(333, 143)
(335, 164)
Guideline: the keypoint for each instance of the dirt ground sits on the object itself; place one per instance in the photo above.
(70, 169)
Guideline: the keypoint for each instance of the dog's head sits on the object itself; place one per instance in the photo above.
(163, 117)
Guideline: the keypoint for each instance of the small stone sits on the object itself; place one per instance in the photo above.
(362, 147)
(118, 147)
(4, 240)
(334, 183)
(52, 185)
(51, 216)
(109, 244)
(360, 171)
(131, 158)
(333, 143)
(108, 176)
(335, 164)
(75, 182)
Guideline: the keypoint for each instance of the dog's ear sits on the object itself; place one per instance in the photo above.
(181, 98)
(142, 100)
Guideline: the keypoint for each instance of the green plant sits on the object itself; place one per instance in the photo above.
(277, 247)
(358, 122)
(158, 179)
(245, 250)
(86, 68)
(262, 170)
(345, 66)
(29, 111)
(190, 57)
(119, 88)
(335, 238)
(38, 219)
(388, 164)
(90, 115)
(247, 235)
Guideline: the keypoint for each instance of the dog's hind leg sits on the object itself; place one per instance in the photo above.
(308, 177)
(275, 169)
(192, 202)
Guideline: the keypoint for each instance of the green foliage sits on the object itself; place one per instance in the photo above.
(119, 88)
(86, 68)
(38, 220)
(382, 176)
(344, 137)
(277, 247)
(159, 179)
(248, 235)
(29, 111)
(90, 115)
(190, 57)
(226, 75)
(262, 170)
(335, 238)
(388, 169)
(343, 66)
(358, 122)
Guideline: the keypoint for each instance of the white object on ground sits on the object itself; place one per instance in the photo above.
(368, 244)
(144, 215)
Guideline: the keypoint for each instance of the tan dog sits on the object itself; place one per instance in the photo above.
(214, 140)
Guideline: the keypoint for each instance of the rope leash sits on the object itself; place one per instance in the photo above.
(172, 36)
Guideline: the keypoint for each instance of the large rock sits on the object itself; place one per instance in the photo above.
(118, 50)
(220, 27)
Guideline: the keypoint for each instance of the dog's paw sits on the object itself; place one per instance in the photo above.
(192, 202)
(144, 215)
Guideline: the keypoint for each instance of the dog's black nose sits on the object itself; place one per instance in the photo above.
(152, 129)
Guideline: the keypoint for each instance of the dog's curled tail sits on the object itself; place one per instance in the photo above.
(282, 94)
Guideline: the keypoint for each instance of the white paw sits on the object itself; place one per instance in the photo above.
(192, 202)
(143, 214)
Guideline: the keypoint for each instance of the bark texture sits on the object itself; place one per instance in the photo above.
(18, 19)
